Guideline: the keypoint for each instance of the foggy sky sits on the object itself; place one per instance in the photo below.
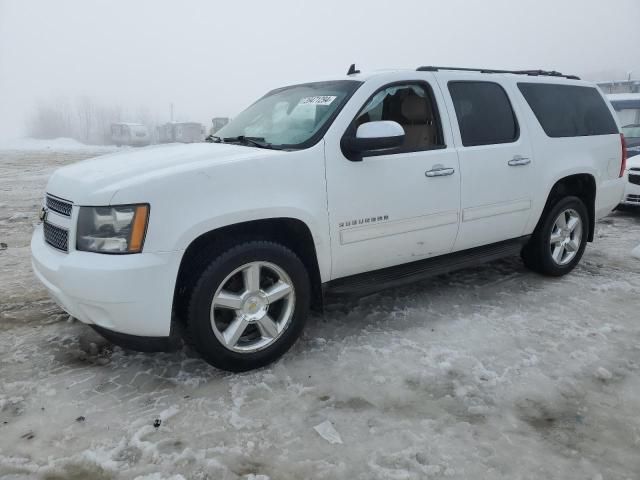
(213, 58)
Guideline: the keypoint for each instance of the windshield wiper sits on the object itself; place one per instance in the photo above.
(212, 139)
(253, 141)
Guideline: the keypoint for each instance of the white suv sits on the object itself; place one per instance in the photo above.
(336, 187)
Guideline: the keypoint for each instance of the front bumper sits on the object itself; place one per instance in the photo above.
(631, 193)
(127, 294)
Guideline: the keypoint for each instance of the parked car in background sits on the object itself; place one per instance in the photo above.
(132, 134)
(632, 139)
(627, 107)
(330, 188)
(180, 132)
(632, 189)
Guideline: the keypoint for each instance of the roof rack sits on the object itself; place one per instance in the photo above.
(545, 73)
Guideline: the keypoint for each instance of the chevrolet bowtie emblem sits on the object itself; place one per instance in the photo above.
(43, 214)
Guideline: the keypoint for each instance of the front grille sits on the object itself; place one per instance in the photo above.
(63, 207)
(635, 179)
(56, 237)
(633, 199)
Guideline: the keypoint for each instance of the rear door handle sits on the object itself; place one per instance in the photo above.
(439, 172)
(518, 161)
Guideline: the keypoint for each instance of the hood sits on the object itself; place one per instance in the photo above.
(95, 181)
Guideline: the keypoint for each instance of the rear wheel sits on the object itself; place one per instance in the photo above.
(248, 306)
(560, 240)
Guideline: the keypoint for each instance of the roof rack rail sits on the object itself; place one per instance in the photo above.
(545, 73)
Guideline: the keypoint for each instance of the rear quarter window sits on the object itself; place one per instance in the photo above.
(569, 110)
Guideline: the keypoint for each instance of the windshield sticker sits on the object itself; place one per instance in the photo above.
(319, 100)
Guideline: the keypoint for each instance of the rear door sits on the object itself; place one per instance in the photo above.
(497, 164)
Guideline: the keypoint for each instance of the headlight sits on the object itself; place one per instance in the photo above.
(116, 229)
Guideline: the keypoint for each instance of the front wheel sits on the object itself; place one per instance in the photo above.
(558, 243)
(249, 306)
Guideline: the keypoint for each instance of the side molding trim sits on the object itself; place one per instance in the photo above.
(385, 229)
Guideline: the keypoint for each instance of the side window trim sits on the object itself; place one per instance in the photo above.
(516, 120)
(351, 128)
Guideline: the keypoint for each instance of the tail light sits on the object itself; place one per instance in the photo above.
(623, 165)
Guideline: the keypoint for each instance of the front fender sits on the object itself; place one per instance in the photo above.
(187, 204)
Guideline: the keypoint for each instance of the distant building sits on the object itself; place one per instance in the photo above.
(218, 123)
(620, 86)
(181, 132)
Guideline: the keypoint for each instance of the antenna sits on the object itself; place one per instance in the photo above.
(352, 70)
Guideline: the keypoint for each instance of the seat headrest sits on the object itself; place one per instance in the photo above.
(415, 109)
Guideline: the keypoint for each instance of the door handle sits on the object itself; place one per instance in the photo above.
(439, 172)
(518, 161)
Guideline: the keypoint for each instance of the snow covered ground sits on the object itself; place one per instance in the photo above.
(489, 373)
(54, 145)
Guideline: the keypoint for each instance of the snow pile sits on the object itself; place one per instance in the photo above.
(56, 144)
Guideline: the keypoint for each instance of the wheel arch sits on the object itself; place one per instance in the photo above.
(291, 232)
(581, 185)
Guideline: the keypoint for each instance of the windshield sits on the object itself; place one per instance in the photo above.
(291, 117)
(631, 131)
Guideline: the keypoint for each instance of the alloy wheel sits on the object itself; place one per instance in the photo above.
(566, 237)
(252, 307)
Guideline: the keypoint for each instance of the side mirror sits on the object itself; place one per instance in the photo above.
(373, 136)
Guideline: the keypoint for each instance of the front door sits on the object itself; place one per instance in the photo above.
(398, 207)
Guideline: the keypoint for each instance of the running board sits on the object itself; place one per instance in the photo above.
(371, 282)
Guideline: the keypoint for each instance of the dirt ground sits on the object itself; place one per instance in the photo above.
(489, 373)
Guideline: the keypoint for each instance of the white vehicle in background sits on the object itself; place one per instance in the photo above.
(180, 132)
(331, 188)
(632, 189)
(632, 137)
(132, 134)
(627, 107)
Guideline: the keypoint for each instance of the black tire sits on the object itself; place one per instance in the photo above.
(199, 331)
(537, 253)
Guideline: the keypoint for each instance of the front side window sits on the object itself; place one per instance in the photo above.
(291, 117)
(484, 113)
(413, 107)
(568, 110)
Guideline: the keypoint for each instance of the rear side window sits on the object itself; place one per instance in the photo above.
(484, 113)
(569, 110)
